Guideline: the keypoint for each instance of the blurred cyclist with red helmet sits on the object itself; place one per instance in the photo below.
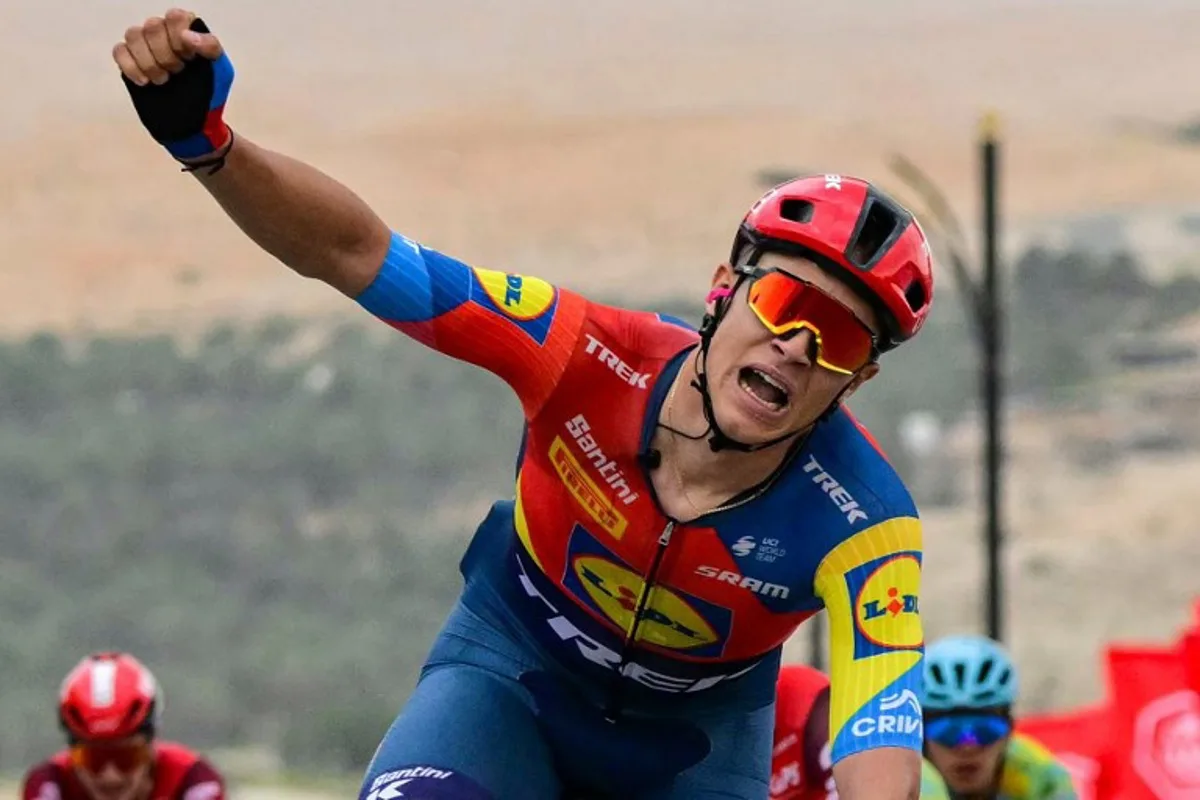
(800, 761)
(108, 707)
(684, 498)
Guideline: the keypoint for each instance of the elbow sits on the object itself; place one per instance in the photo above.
(349, 265)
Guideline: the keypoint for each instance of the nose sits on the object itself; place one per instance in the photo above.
(798, 346)
(110, 777)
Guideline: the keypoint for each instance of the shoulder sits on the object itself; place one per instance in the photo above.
(192, 775)
(851, 500)
(1025, 750)
(45, 780)
(846, 463)
(646, 334)
(1038, 768)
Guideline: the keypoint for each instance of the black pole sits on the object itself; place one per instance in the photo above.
(992, 378)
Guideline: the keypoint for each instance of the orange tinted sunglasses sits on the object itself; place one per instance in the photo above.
(125, 756)
(785, 304)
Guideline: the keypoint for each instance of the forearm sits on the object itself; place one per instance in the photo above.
(306, 219)
(886, 773)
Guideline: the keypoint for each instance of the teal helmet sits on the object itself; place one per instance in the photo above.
(968, 672)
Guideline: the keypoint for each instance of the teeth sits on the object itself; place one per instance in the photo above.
(771, 381)
(756, 396)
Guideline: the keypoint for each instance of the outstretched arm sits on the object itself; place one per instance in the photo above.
(516, 326)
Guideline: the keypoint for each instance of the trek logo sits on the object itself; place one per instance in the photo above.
(608, 470)
(613, 361)
(837, 493)
(744, 582)
(900, 713)
(602, 656)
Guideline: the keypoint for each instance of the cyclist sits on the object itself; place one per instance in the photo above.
(970, 685)
(684, 499)
(800, 760)
(108, 707)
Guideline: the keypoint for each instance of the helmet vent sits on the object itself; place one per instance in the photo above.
(76, 720)
(960, 674)
(876, 231)
(937, 674)
(795, 210)
(916, 296)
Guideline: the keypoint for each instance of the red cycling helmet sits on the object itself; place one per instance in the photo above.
(856, 233)
(109, 696)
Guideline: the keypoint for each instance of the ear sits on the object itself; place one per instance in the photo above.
(862, 376)
(723, 280)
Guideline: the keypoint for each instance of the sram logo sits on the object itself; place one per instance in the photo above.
(743, 582)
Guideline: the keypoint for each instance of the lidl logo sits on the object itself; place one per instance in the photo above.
(517, 296)
(886, 605)
(896, 604)
(667, 619)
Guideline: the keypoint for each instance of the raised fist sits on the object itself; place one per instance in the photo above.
(158, 48)
(178, 77)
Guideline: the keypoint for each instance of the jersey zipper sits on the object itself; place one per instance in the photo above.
(613, 709)
(649, 581)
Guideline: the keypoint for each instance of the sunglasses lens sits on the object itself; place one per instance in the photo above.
(784, 303)
(125, 757)
(959, 731)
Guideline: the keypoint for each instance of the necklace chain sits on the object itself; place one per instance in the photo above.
(675, 461)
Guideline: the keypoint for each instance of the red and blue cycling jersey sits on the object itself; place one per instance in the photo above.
(585, 563)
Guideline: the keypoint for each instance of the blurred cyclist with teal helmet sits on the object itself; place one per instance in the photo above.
(969, 688)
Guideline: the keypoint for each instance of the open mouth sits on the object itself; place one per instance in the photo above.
(965, 772)
(763, 388)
